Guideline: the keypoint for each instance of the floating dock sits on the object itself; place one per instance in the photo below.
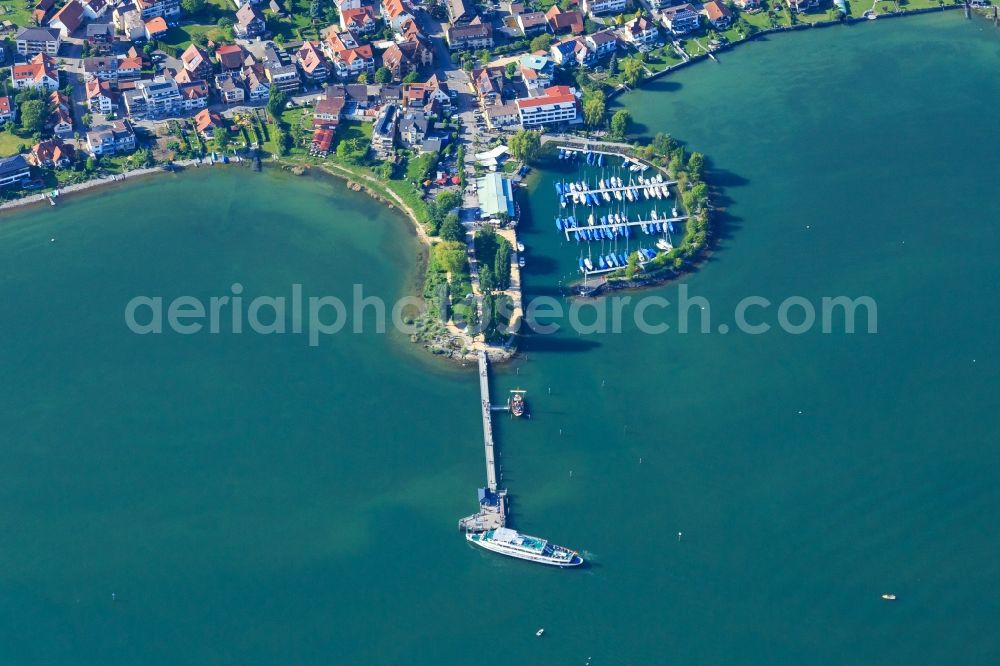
(616, 225)
(492, 501)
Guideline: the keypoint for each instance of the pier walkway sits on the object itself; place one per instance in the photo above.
(615, 225)
(484, 392)
(492, 502)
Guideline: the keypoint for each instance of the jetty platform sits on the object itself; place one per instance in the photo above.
(492, 499)
(615, 225)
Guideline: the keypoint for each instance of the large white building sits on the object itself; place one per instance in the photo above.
(557, 104)
(595, 7)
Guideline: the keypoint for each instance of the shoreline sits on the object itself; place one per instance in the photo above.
(845, 20)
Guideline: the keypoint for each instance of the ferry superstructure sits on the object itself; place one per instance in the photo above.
(512, 543)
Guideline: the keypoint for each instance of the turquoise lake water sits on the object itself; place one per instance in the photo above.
(251, 499)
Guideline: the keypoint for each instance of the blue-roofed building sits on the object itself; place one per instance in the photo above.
(496, 196)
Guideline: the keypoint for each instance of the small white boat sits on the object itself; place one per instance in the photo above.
(889, 597)
(674, 211)
(664, 245)
(520, 246)
(520, 262)
(540, 632)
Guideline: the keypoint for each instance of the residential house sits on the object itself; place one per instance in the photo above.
(575, 51)
(130, 67)
(640, 30)
(502, 115)
(95, 9)
(68, 19)
(395, 13)
(432, 95)
(42, 10)
(413, 128)
(104, 68)
(489, 84)
(562, 22)
(406, 57)
(100, 36)
(460, 11)
(8, 111)
(14, 171)
(53, 154)
(361, 20)
(194, 95)
(230, 87)
(384, 131)
(206, 122)
(283, 77)
(258, 85)
(118, 137)
(313, 62)
(39, 72)
(155, 27)
(748, 5)
(129, 23)
(60, 119)
(231, 57)
(475, 35)
(717, 14)
(532, 23)
(556, 104)
(536, 71)
(197, 62)
(153, 98)
(249, 23)
(168, 9)
(100, 97)
(801, 5)
(327, 112)
(348, 63)
(38, 40)
(680, 19)
(602, 43)
(598, 7)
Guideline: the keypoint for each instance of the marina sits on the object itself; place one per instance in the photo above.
(605, 203)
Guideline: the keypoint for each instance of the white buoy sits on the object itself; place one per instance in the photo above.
(679, 535)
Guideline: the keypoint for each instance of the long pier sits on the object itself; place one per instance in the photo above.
(484, 393)
(630, 223)
(492, 500)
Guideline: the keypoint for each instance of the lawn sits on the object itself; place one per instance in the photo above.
(9, 143)
(181, 37)
(17, 12)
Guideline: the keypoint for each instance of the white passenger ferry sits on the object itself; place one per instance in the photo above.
(514, 544)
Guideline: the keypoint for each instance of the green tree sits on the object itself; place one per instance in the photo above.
(412, 77)
(511, 69)
(363, 77)
(193, 6)
(448, 201)
(383, 75)
(663, 143)
(486, 281)
(613, 64)
(594, 108)
(632, 71)
(451, 228)
(501, 263)
(632, 266)
(450, 255)
(276, 103)
(34, 113)
(541, 43)
(620, 122)
(525, 145)
(696, 167)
